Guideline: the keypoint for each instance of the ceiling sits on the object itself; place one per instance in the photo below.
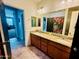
(41, 3)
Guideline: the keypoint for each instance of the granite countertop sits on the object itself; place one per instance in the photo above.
(64, 41)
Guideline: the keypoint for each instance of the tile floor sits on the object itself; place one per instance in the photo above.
(28, 53)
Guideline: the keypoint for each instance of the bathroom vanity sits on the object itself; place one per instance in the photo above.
(55, 46)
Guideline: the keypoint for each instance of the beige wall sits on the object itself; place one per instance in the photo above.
(29, 9)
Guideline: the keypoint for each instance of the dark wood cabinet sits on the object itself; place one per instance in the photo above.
(52, 49)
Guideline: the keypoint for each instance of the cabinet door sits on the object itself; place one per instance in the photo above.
(35, 40)
(65, 55)
(32, 39)
(44, 45)
(55, 51)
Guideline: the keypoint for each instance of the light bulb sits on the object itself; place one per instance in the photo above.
(63, 1)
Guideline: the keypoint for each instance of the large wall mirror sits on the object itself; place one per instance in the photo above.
(55, 24)
(55, 21)
(33, 21)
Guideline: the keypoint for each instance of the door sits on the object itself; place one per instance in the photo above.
(14, 19)
(11, 26)
(2, 52)
(4, 33)
(75, 46)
